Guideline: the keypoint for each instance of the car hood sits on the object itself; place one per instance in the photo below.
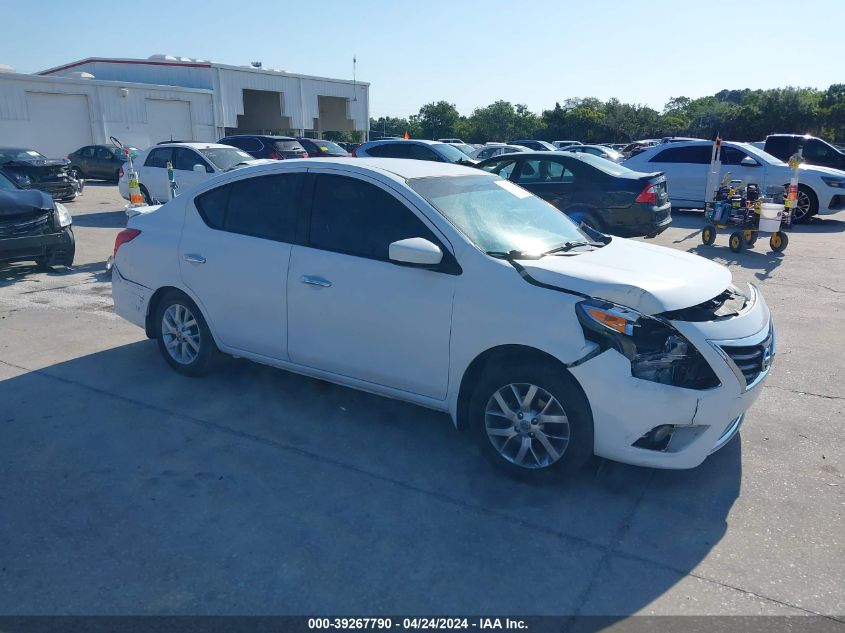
(37, 162)
(23, 201)
(827, 171)
(649, 279)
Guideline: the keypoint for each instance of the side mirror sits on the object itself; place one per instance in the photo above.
(199, 169)
(415, 251)
(749, 162)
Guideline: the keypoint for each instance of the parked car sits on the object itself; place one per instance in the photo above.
(679, 139)
(821, 189)
(321, 148)
(192, 163)
(29, 169)
(99, 161)
(33, 227)
(466, 148)
(537, 146)
(489, 151)
(560, 144)
(591, 190)
(596, 150)
(635, 147)
(618, 146)
(389, 276)
(815, 150)
(451, 141)
(263, 146)
(416, 149)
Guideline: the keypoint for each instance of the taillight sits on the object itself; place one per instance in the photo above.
(648, 195)
(355, 152)
(120, 173)
(126, 235)
(276, 156)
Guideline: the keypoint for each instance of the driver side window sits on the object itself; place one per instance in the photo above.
(503, 167)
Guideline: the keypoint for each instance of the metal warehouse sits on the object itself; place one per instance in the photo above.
(146, 101)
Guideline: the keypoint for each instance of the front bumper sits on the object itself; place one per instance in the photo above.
(15, 248)
(626, 408)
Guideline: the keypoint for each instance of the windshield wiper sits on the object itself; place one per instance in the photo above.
(568, 246)
(511, 255)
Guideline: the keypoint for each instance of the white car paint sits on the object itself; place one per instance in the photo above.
(154, 179)
(496, 149)
(412, 333)
(687, 181)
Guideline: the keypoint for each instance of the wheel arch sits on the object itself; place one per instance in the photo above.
(152, 306)
(510, 353)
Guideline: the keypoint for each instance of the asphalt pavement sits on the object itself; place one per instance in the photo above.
(128, 489)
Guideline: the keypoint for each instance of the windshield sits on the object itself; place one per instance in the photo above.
(602, 164)
(19, 154)
(466, 149)
(289, 146)
(497, 215)
(225, 158)
(6, 184)
(329, 147)
(758, 153)
(451, 153)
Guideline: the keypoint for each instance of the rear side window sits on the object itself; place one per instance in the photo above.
(386, 150)
(184, 159)
(159, 157)
(698, 154)
(502, 167)
(355, 217)
(264, 206)
(539, 171)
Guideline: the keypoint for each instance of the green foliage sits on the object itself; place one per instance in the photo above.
(744, 115)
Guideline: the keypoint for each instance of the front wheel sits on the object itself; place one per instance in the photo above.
(532, 420)
(806, 206)
(183, 335)
(61, 255)
(736, 241)
(708, 235)
(778, 241)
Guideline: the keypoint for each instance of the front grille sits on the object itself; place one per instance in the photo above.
(752, 360)
(25, 224)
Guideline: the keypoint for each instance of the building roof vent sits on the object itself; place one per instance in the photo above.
(6, 69)
(255, 64)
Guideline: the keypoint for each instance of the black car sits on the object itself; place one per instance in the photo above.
(263, 146)
(33, 227)
(537, 146)
(321, 148)
(591, 190)
(29, 169)
(99, 161)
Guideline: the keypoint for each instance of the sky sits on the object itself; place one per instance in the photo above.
(467, 52)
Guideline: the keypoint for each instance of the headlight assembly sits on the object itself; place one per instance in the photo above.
(656, 350)
(834, 181)
(63, 218)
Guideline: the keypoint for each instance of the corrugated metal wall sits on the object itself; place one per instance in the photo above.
(111, 113)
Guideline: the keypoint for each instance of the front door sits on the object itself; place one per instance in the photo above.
(354, 313)
(233, 255)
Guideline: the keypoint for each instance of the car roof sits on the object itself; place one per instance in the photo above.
(194, 145)
(420, 141)
(272, 136)
(400, 169)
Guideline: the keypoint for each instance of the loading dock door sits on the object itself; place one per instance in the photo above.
(59, 123)
(168, 120)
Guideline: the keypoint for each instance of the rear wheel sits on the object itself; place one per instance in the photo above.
(708, 235)
(778, 241)
(736, 241)
(146, 195)
(582, 216)
(183, 335)
(531, 420)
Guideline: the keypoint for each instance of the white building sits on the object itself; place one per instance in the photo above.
(145, 101)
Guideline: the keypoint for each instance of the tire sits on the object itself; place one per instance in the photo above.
(808, 205)
(708, 235)
(497, 426)
(778, 241)
(183, 336)
(587, 217)
(736, 241)
(750, 237)
(61, 255)
(146, 195)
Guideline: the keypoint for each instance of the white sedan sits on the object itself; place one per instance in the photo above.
(457, 290)
(495, 149)
(821, 189)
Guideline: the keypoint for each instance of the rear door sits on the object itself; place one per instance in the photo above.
(686, 170)
(234, 254)
(104, 165)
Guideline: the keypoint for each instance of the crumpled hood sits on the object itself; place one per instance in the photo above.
(24, 200)
(647, 278)
(37, 162)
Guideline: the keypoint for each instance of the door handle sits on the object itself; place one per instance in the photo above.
(192, 258)
(315, 281)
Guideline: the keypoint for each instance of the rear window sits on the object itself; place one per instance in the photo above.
(291, 145)
(604, 165)
(225, 158)
(328, 146)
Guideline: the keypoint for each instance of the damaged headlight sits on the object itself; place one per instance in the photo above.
(63, 218)
(656, 350)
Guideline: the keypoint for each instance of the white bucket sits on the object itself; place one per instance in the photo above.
(769, 225)
(770, 211)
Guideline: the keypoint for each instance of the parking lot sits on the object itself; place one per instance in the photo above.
(129, 489)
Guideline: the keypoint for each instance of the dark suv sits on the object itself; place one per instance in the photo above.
(262, 146)
(321, 148)
(815, 150)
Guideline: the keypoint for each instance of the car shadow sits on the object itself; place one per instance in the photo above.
(259, 485)
(11, 273)
(102, 219)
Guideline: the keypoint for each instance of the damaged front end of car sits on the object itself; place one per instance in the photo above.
(52, 176)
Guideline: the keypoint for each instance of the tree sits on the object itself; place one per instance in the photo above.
(438, 120)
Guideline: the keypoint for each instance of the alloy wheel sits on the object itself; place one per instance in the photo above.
(527, 425)
(180, 333)
(802, 206)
